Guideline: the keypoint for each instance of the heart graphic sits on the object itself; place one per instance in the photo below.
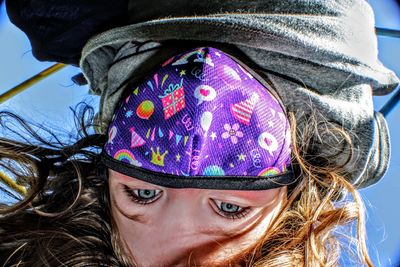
(267, 141)
(204, 92)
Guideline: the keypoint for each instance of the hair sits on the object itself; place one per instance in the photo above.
(64, 218)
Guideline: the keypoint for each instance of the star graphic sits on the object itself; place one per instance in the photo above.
(241, 157)
(178, 157)
(217, 54)
(129, 113)
(183, 72)
(270, 123)
(213, 135)
(231, 165)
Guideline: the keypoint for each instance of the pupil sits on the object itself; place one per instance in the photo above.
(146, 193)
(228, 207)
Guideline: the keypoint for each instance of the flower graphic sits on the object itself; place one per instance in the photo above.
(232, 132)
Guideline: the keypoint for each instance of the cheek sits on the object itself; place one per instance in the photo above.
(136, 232)
(250, 237)
(270, 213)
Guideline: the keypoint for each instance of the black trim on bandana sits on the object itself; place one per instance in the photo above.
(200, 181)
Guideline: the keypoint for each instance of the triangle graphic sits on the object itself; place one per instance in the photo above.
(185, 140)
(243, 110)
(178, 138)
(160, 133)
(136, 140)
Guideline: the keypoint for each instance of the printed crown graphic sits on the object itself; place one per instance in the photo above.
(157, 158)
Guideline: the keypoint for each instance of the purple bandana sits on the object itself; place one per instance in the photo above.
(202, 120)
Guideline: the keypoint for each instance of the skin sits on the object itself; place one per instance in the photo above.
(188, 223)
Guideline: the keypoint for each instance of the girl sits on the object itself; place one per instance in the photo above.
(229, 139)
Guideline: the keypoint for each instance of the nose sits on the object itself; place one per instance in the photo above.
(186, 220)
(178, 233)
(184, 213)
(182, 234)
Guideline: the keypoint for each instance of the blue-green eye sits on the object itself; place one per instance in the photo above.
(142, 196)
(229, 207)
(145, 193)
(231, 211)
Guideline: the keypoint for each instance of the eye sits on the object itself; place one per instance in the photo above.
(228, 207)
(142, 196)
(146, 193)
(231, 211)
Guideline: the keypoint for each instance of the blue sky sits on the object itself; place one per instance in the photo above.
(48, 102)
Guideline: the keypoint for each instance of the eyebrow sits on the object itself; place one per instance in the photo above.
(136, 217)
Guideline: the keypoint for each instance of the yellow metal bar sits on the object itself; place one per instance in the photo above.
(12, 184)
(31, 81)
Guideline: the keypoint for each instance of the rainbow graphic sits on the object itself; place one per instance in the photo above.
(184, 58)
(213, 170)
(201, 57)
(126, 155)
(270, 171)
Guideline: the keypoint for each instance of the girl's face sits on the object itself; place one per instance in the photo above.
(165, 227)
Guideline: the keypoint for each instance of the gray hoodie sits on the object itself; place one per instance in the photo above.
(320, 55)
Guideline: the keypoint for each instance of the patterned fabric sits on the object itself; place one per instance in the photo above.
(201, 114)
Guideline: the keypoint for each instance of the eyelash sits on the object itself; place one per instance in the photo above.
(135, 198)
(232, 216)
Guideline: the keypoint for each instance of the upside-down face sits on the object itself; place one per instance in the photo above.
(171, 227)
